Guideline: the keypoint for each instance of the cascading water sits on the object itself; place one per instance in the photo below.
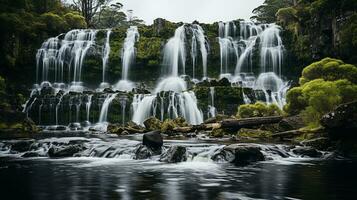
(88, 105)
(104, 111)
(198, 39)
(180, 103)
(227, 45)
(70, 51)
(105, 55)
(211, 108)
(128, 56)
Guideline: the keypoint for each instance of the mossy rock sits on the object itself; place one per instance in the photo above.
(254, 134)
(152, 124)
(169, 125)
(218, 133)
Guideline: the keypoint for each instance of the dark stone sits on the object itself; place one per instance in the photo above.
(174, 154)
(291, 123)
(341, 121)
(31, 154)
(322, 143)
(153, 140)
(75, 126)
(22, 145)
(143, 152)
(239, 154)
(64, 151)
(224, 82)
(307, 151)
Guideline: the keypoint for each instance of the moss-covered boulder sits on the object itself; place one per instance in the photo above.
(254, 134)
(152, 124)
(258, 109)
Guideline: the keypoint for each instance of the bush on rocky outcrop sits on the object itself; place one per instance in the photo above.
(258, 109)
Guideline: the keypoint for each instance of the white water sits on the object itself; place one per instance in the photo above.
(175, 52)
(105, 55)
(128, 57)
(211, 108)
(199, 40)
(104, 111)
(88, 105)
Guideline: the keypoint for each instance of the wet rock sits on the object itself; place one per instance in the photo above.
(31, 154)
(307, 151)
(254, 134)
(108, 90)
(322, 143)
(64, 151)
(153, 140)
(143, 152)
(174, 154)
(152, 124)
(169, 125)
(224, 82)
(291, 123)
(217, 133)
(341, 121)
(22, 145)
(239, 154)
(75, 126)
(115, 128)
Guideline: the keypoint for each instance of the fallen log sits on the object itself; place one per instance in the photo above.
(233, 124)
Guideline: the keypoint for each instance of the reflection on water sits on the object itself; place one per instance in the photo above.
(103, 178)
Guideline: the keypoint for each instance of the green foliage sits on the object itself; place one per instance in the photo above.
(54, 23)
(110, 17)
(266, 12)
(330, 70)
(75, 20)
(323, 86)
(149, 50)
(258, 109)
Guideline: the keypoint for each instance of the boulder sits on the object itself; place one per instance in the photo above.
(143, 152)
(174, 154)
(342, 120)
(64, 151)
(224, 82)
(153, 140)
(21, 145)
(291, 123)
(254, 134)
(31, 154)
(239, 154)
(152, 124)
(307, 151)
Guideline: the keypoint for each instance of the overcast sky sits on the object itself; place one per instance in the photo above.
(205, 11)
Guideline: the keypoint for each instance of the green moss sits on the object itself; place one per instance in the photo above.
(254, 133)
(218, 133)
(258, 109)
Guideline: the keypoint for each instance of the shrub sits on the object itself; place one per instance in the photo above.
(75, 20)
(258, 109)
(329, 69)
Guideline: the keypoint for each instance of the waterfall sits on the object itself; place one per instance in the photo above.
(198, 39)
(57, 107)
(70, 51)
(271, 50)
(175, 52)
(274, 88)
(227, 45)
(105, 107)
(88, 105)
(142, 108)
(105, 55)
(211, 108)
(128, 57)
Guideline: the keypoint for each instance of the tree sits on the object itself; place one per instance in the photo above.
(89, 8)
(110, 17)
(266, 12)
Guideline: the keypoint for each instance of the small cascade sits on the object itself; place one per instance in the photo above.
(227, 45)
(246, 99)
(199, 40)
(271, 50)
(128, 57)
(211, 108)
(55, 54)
(57, 107)
(274, 88)
(143, 108)
(88, 105)
(105, 54)
(104, 111)
(175, 52)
